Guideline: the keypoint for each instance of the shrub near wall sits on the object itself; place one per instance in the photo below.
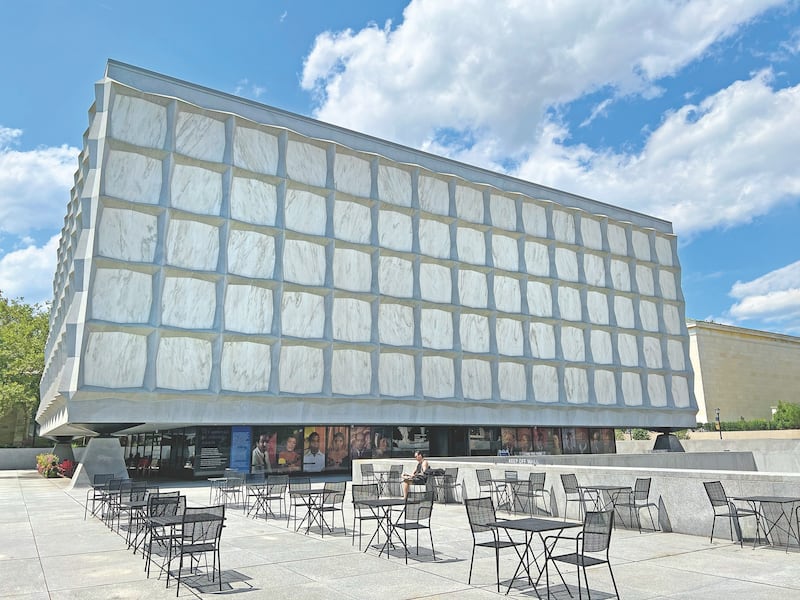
(49, 465)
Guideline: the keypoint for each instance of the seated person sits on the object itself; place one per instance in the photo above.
(420, 474)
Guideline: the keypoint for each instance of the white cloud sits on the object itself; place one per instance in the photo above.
(28, 272)
(34, 185)
(773, 298)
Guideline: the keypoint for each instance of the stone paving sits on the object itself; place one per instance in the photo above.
(48, 550)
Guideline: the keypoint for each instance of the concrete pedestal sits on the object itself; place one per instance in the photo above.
(102, 455)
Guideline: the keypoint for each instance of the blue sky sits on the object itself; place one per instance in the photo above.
(689, 111)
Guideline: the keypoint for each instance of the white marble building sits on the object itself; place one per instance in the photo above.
(225, 262)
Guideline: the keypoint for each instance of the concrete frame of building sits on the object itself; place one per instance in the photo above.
(223, 262)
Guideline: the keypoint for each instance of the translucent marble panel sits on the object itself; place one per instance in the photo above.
(632, 389)
(602, 352)
(505, 253)
(469, 204)
(352, 270)
(394, 185)
(251, 254)
(245, 367)
(509, 337)
(537, 259)
(305, 212)
(623, 312)
(594, 269)
(396, 324)
(680, 392)
(394, 230)
(503, 212)
(435, 283)
(542, 340)
(576, 386)
(666, 280)
(192, 245)
(301, 370)
(302, 314)
(132, 177)
(434, 238)
(620, 275)
(472, 289)
(196, 190)
(113, 359)
(651, 348)
(188, 303)
(628, 353)
(248, 309)
(540, 299)
(395, 277)
(572, 344)
(138, 121)
(352, 222)
(199, 136)
(396, 374)
(597, 307)
(657, 390)
(507, 297)
(649, 315)
(569, 304)
(352, 320)
(512, 381)
(436, 327)
(641, 244)
(351, 372)
(304, 262)
(605, 387)
(471, 245)
(664, 251)
(474, 332)
(306, 163)
(617, 240)
(644, 280)
(476, 379)
(183, 363)
(127, 235)
(352, 175)
(434, 195)
(121, 296)
(438, 377)
(564, 226)
(566, 264)
(591, 234)
(675, 355)
(253, 201)
(672, 320)
(255, 150)
(534, 219)
(545, 383)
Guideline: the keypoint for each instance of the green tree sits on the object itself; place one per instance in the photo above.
(23, 333)
(787, 416)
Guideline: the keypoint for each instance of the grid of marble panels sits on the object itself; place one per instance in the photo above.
(235, 257)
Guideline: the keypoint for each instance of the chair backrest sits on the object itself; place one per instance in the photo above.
(597, 530)
(206, 531)
(419, 506)
(480, 511)
(395, 473)
(138, 490)
(716, 493)
(299, 484)
(276, 485)
(367, 471)
(164, 504)
(334, 492)
(641, 489)
(570, 483)
(536, 482)
(451, 475)
(484, 477)
(511, 475)
(255, 478)
(365, 491)
(100, 479)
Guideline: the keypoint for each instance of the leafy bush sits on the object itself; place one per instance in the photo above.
(640, 434)
(47, 465)
(787, 416)
(66, 468)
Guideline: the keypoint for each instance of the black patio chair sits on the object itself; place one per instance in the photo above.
(416, 516)
(96, 493)
(572, 493)
(635, 500)
(275, 491)
(198, 539)
(394, 480)
(161, 504)
(591, 549)
(136, 493)
(368, 473)
(298, 484)
(363, 491)
(484, 481)
(480, 512)
(527, 493)
(333, 502)
(446, 486)
(725, 508)
(253, 489)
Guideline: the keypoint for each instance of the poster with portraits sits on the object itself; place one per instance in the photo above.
(602, 441)
(381, 442)
(289, 450)
(337, 453)
(313, 449)
(360, 442)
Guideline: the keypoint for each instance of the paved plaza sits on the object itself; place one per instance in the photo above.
(47, 550)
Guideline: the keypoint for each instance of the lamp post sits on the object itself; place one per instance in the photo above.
(719, 424)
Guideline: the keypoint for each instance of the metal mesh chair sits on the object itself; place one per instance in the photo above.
(527, 492)
(95, 494)
(484, 481)
(199, 538)
(253, 488)
(446, 486)
(162, 504)
(333, 502)
(635, 500)
(275, 491)
(295, 502)
(363, 491)
(480, 512)
(368, 473)
(594, 539)
(416, 516)
(232, 489)
(394, 480)
(572, 493)
(725, 508)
